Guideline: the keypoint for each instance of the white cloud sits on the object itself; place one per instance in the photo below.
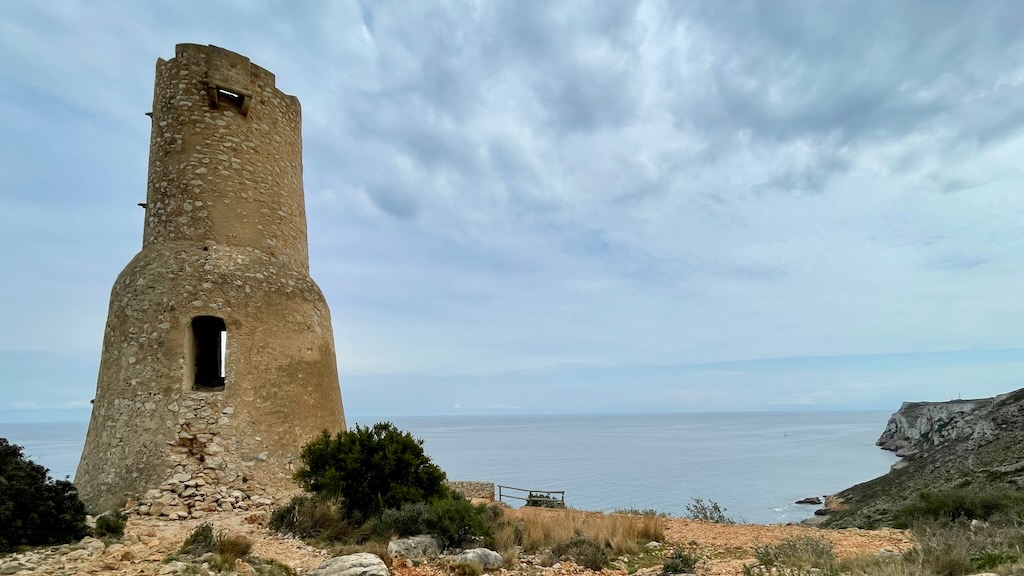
(498, 187)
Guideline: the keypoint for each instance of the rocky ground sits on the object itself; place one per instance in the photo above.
(148, 542)
(962, 444)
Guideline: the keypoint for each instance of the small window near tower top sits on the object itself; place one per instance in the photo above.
(230, 97)
(220, 97)
(209, 351)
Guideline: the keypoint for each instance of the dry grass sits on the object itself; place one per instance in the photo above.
(540, 529)
(507, 537)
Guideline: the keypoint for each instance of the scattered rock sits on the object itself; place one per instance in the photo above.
(887, 553)
(488, 559)
(15, 566)
(361, 564)
(173, 568)
(811, 500)
(415, 548)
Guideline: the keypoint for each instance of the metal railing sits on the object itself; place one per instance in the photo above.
(526, 495)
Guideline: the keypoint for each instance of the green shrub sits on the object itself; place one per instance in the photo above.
(110, 525)
(680, 562)
(543, 501)
(35, 510)
(957, 504)
(200, 541)
(315, 518)
(583, 551)
(451, 518)
(990, 557)
(642, 512)
(455, 521)
(370, 469)
(409, 520)
(709, 511)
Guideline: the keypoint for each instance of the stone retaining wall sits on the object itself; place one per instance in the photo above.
(473, 489)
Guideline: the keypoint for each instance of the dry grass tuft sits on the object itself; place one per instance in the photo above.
(541, 529)
(231, 547)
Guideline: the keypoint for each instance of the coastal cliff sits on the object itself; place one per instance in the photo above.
(920, 427)
(972, 444)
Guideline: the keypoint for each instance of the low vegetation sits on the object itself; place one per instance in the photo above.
(542, 500)
(991, 469)
(804, 555)
(110, 525)
(372, 484)
(451, 518)
(584, 551)
(680, 562)
(317, 519)
(199, 541)
(961, 504)
(35, 510)
(642, 512)
(369, 470)
(223, 552)
(943, 548)
(538, 530)
(709, 511)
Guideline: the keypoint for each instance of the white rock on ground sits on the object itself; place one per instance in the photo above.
(361, 564)
(415, 548)
(487, 558)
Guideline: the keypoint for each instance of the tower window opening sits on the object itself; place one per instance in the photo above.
(220, 96)
(209, 350)
(230, 97)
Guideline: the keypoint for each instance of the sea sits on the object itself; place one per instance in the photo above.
(755, 465)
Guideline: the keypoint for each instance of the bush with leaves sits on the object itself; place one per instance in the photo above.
(110, 525)
(199, 541)
(35, 510)
(370, 469)
(584, 551)
(410, 519)
(543, 500)
(680, 562)
(315, 518)
(709, 511)
(960, 504)
(452, 518)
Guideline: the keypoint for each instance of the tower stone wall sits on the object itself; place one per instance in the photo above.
(218, 356)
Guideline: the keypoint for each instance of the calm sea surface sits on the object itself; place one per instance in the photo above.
(754, 464)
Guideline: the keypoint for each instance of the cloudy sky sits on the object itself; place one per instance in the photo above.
(559, 207)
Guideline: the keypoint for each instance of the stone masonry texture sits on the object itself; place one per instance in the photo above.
(224, 239)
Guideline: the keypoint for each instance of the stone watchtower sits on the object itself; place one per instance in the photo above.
(218, 357)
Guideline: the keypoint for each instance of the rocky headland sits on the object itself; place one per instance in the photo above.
(974, 444)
